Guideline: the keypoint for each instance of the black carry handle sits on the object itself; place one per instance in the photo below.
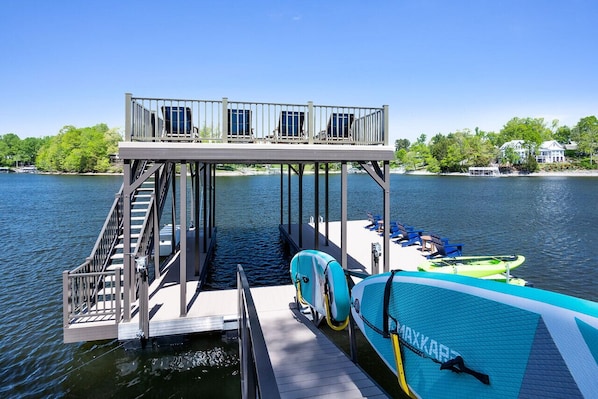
(457, 365)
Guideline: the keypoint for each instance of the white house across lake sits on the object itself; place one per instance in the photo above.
(549, 152)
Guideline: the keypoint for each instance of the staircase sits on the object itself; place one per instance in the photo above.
(93, 293)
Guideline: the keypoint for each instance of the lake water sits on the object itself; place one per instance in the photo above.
(49, 224)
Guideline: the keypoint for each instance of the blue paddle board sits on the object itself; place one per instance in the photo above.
(451, 336)
(321, 283)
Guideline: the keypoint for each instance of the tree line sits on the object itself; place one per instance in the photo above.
(459, 150)
(72, 150)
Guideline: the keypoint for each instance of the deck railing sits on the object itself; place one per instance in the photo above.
(92, 296)
(257, 376)
(225, 121)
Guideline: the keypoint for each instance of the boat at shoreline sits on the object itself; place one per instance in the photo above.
(473, 266)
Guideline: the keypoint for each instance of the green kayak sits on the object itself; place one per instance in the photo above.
(473, 266)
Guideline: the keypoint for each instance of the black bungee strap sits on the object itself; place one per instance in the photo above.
(457, 365)
(385, 304)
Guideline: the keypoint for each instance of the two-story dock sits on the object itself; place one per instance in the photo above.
(126, 290)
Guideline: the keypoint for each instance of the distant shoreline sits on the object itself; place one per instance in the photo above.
(255, 172)
(568, 173)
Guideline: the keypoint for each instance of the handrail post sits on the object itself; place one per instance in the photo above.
(117, 292)
(310, 122)
(65, 298)
(385, 132)
(128, 124)
(224, 119)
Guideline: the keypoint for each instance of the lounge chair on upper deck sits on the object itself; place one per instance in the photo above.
(239, 124)
(338, 127)
(291, 125)
(443, 248)
(178, 121)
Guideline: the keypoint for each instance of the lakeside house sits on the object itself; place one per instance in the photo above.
(549, 151)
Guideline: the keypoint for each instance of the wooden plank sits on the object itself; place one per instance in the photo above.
(305, 362)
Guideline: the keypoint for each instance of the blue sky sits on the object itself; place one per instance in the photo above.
(440, 65)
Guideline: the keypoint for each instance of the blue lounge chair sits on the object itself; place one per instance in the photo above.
(408, 235)
(444, 248)
(239, 124)
(291, 125)
(338, 127)
(177, 121)
(373, 219)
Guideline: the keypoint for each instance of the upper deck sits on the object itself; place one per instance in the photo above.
(211, 131)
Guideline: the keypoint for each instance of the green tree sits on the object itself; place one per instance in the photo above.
(531, 130)
(562, 134)
(10, 149)
(401, 144)
(439, 147)
(585, 133)
(510, 156)
(79, 150)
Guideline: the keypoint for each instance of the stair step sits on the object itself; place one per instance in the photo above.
(122, 237)
(121, 246)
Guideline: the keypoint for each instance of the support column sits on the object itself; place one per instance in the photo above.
(386, 219)
(327, 205)
(300, 199)
(157, 201)
(128, 277)
(183, 240)
(289, 199)
(281, 194)
(197, 209)
(316, 206)
(212, 185)
(344, 215)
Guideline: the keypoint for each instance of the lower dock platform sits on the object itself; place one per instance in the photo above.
(306, 363)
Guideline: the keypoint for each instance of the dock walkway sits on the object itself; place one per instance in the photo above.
(306, 363)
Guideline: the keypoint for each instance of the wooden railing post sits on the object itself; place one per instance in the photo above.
(310, 122)
(117, 293)
(65, 298)
(385, 132)
(224, 119)
(128, 121)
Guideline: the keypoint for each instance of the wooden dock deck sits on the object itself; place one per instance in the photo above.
(305, 361)
(359, 244)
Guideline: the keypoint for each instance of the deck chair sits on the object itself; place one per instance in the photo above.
(290, 125)
(339, 126)
(444, 248)
(239, 124)
(177, 121)
(373, 220)
(408, 235)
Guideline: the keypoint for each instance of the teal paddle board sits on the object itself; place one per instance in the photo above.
(451, 336)
(321, 283)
